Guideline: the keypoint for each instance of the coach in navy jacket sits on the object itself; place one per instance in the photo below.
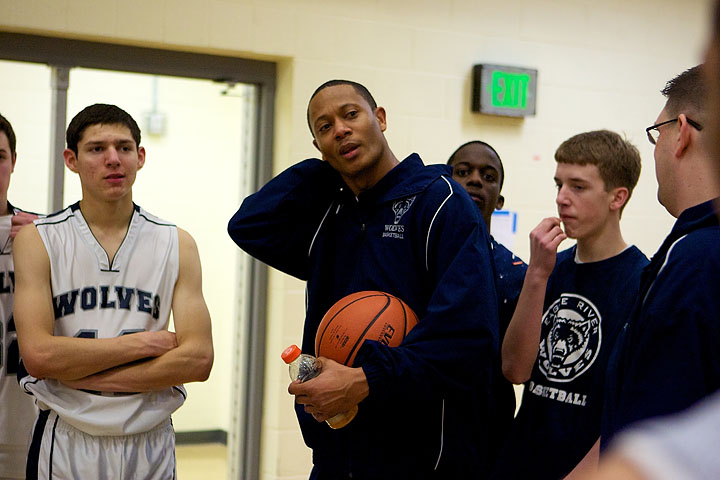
(361, 220)
(668, 355)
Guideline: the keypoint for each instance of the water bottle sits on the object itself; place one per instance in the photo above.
(302, 367)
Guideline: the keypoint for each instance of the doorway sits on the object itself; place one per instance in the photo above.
(206, 124)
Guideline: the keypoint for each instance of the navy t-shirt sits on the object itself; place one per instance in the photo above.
(559, 418)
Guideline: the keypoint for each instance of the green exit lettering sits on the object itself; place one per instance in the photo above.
(509, 90)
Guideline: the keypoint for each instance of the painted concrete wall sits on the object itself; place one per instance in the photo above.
(600, 64)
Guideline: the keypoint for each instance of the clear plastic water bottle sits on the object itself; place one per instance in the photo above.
(302, 367)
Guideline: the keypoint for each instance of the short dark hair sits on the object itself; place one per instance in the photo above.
(359, 88)
(99, 114)
(617, 160)
(6, 127)
(487, 145)
(686, 92)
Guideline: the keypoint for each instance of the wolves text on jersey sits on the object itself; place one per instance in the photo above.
(105, 297)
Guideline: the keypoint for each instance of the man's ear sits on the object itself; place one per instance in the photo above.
(381, 118)
(14, 159)
(316, 145)
(500, 202)
(684, 137)
(70, 160)
(141, 157)
(619, 197)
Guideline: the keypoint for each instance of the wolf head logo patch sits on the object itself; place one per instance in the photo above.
(401, 207)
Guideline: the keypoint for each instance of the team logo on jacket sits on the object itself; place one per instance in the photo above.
(570, 338)
(400, 208)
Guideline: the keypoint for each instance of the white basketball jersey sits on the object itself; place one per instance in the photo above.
(96, 298)
(17, 408)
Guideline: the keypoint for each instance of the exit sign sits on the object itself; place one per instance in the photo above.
(503, 90)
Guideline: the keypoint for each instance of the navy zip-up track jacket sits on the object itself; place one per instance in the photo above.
(417, 235)
(667, 356)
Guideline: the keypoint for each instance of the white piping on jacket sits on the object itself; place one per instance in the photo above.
(307, 295)
(427, 242)
(442, 434)
(667, 259)
(318, 229)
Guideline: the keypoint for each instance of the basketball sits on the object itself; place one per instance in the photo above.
(362, 316)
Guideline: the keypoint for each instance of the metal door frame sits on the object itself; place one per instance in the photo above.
(62, 54)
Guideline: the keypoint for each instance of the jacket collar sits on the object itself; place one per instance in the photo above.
(407, 178)
(693, 218)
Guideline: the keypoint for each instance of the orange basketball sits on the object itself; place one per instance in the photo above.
(362, 316)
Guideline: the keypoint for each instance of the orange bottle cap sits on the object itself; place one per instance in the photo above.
(291, 353)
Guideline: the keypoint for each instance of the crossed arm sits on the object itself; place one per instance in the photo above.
(142, 361)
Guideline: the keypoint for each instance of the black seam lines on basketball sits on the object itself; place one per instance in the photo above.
(362, 335)
(318, 340)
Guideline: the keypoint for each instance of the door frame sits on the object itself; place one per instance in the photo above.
(62, 54)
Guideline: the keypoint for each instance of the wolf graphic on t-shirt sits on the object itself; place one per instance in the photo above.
(570, 338)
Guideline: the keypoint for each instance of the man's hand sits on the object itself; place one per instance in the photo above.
(544, 242)
(157, 343)
(20, 220)
(335, 390)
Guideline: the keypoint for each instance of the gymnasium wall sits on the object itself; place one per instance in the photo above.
(600, 65)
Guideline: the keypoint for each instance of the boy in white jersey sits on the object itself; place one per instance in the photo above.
(95, 284)
(17, 410)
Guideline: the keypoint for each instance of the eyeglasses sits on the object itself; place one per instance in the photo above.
(653, 133)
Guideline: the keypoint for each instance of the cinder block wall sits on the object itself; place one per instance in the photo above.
(600, 65)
